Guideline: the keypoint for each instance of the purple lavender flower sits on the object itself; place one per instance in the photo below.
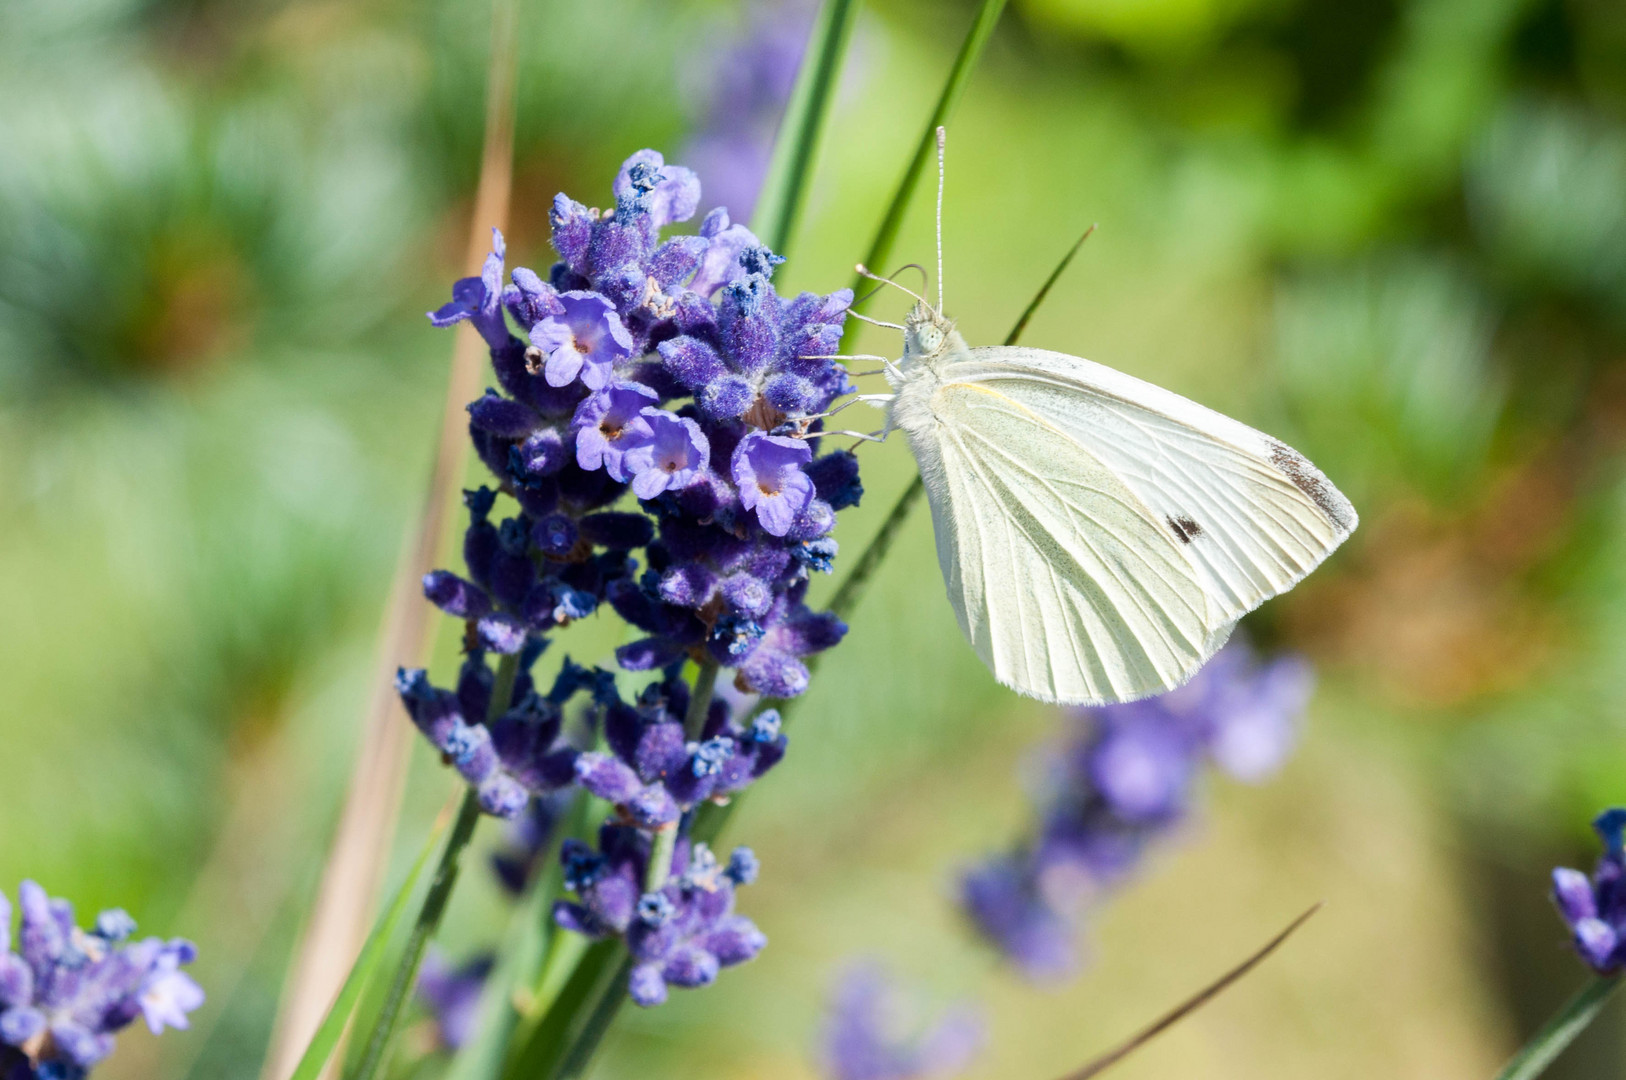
(479, 299)
(1595, 908)
(66, 992)
(1125, 780)
(585, 339)
(720, 265)
(674, 453)
(452, 993)
(865, 1040)
(611, 423)
(518, 756)
(526, 840)
(654, 773)
(682, 935)
(675, 195)
(768, 470)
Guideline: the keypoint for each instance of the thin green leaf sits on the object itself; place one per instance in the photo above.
(1560, 1031)
(530, 939)
(784, 190)
(435, 901)
(428, 921)
(539, 1056)
(1044, 290)
(970, 52)
(1190, 1005)
(612, 997)
(326, 1039)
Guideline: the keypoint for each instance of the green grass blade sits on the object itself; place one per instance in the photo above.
(326, 1039)
(1560, 1031)
(428, 921)
(527, 942)
(612, 998)
(970, 52)
(541, 1053)
(784, 190)
(1044, 290)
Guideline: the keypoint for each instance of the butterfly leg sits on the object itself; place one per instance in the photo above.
(869, 399)
(874, 436)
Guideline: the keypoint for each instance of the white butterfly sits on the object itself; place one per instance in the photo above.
(1099, 536)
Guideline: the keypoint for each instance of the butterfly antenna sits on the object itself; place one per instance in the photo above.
(942, 143)
(864, 271)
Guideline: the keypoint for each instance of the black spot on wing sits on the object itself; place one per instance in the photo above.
(1184, 528)
(1308, 479)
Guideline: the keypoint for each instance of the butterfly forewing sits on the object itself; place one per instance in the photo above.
(1253, 514)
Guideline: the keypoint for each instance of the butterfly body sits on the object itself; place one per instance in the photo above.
(1098, 536)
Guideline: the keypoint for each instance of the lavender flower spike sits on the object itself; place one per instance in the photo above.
(1595, 908)
(1126, 778)
(659, 363)
(768, 470)
(68, 991)
(585, 340)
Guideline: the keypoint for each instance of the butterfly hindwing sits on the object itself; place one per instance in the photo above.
(1067, 586)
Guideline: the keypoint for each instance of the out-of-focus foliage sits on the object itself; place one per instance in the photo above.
(1391, 231)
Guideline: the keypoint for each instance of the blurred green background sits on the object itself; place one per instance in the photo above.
(1392, 232)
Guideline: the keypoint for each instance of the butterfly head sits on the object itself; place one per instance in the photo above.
(925, 332)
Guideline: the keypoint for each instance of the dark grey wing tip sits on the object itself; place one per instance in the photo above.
(1315, 485)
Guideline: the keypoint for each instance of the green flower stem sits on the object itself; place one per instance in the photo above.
(660, 858)
(705, 687)
(439, 895)
(429, 916)
(1560, 1031)
(612, 995)
(694, 723)
(540, 1055)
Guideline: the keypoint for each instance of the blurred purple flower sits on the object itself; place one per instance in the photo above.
(740, 88)
(65, 992)
(867, 1036)
(1595, 908)
(1126, 778)
(453, 994)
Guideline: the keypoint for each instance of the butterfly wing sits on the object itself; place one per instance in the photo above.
(1254, 516)
(1067, 585)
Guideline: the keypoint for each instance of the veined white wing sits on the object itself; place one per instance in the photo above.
(1254, 516)
(1066, 583)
